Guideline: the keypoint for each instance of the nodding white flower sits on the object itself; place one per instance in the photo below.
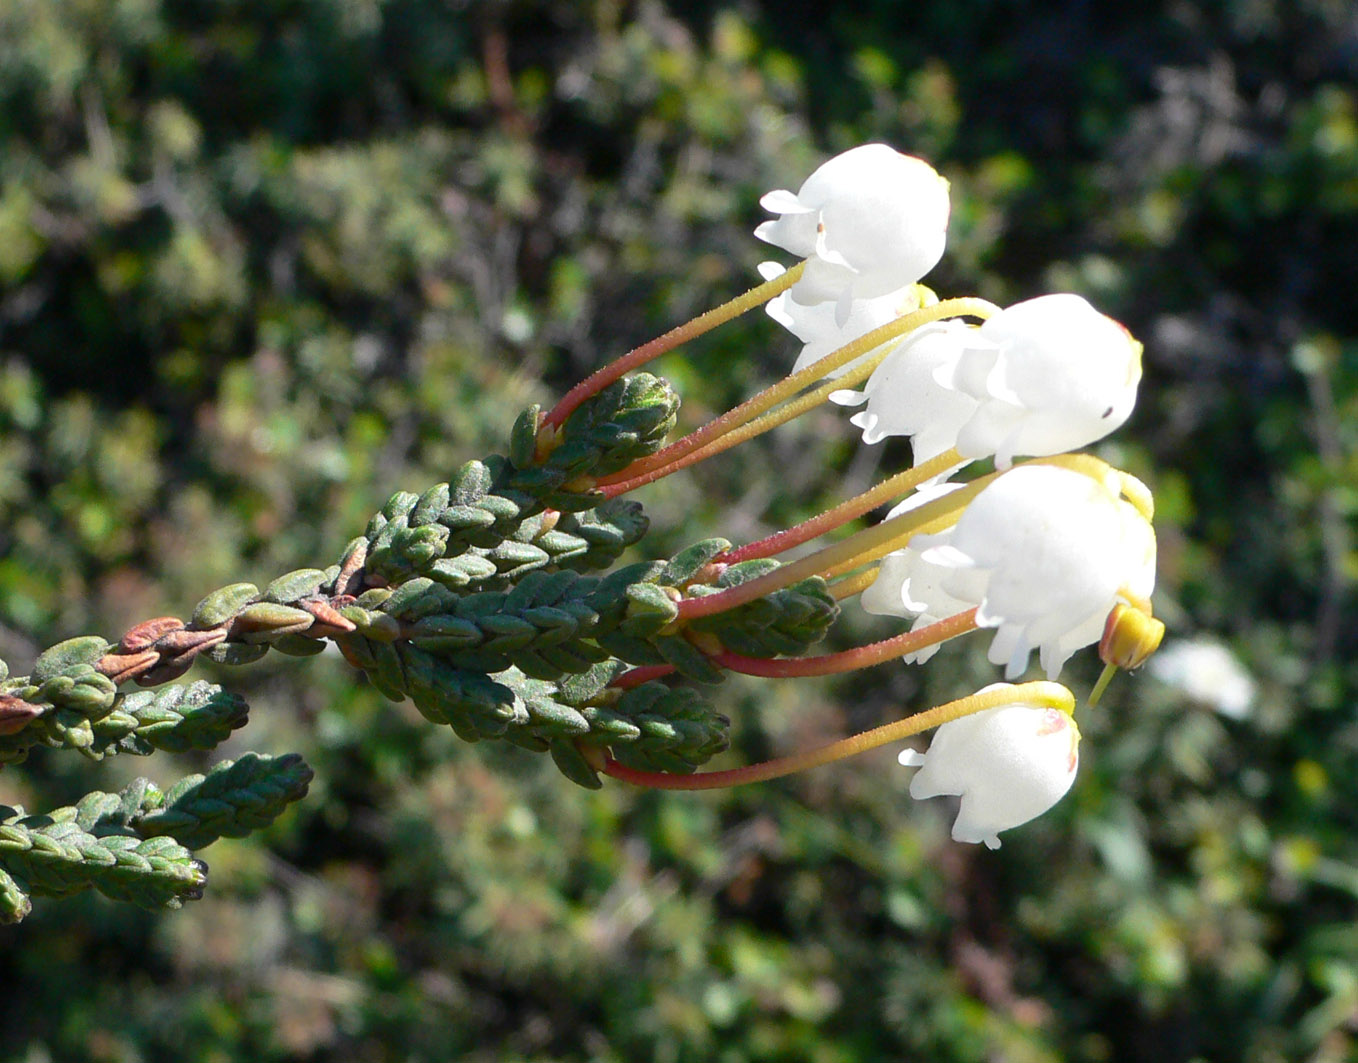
(1045, 553)
(1008, 764)
(909, 586)
(817, 328)
(1040, 377)
(870, 221)
(904, 397)
(1049, 375)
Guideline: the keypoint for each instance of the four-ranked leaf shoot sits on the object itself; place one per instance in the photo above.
(496, 604)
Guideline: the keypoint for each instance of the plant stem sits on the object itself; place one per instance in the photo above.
(639, 356)
(858, 549)
(790, 385)
(854, 659)
(845, 511)
(643, 673)
(764, 423)
(1039, 695)
(899, 541)
(1105, 677)
(847, 588)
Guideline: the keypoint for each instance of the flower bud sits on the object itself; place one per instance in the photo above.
(1130, 636)
(869, 221)
(1008, 764)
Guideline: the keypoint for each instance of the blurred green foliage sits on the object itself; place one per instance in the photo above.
(261, 265)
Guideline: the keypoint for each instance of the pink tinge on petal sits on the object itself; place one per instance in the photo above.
(1053, 722)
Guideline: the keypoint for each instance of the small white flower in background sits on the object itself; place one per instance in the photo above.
(1008, 764)
(870, 221)
(1041, 377)
(1049, 375)
(1045, 553)
(1208, 672)
(817, 328)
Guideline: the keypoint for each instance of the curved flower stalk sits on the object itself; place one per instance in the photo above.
(869, 221)
(1008, 765)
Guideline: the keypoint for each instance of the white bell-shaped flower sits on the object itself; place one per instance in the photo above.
(1137, 562)
(870, 221)
(909, 586)
(1041, 377)
(820, 333)
(1049, 375)
(1008, 764)
(1050, 552)
(904, 397)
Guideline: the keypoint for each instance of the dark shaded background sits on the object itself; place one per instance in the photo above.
(261, 265)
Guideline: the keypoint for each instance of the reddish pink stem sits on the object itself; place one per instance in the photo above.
(641, 674)
(615, 370)
(854, 659)
(681, 334)
(660, 780)
(846, 511)
(613, 490)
